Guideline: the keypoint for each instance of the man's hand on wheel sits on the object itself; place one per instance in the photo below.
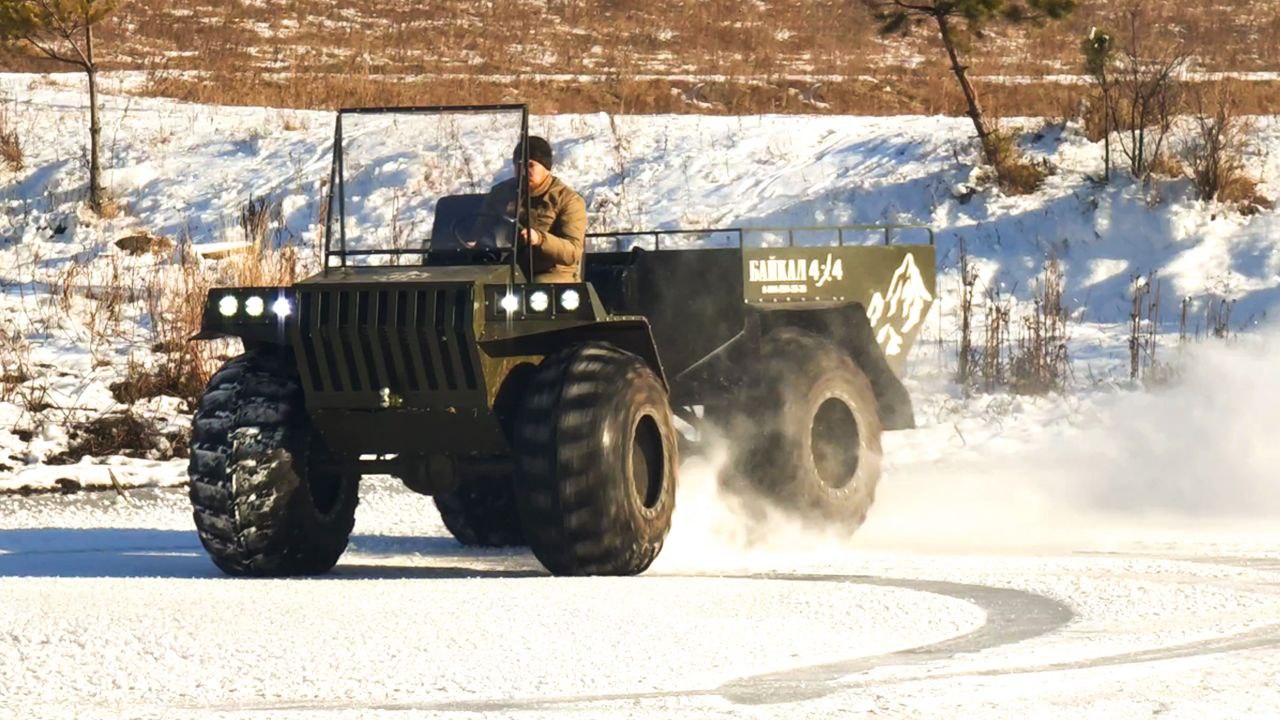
(533, 237)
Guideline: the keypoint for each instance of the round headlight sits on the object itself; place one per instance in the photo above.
(282, 307)
(255, 306)
(510, 302)
(570, 300)
(228, 305)
(539, 301)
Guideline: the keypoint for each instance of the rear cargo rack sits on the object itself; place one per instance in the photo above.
(739, 237)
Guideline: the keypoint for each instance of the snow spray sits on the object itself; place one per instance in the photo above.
(1197, 453)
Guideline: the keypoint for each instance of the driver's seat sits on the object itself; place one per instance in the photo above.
(450, 210)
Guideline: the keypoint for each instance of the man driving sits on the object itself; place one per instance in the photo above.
(556, 234)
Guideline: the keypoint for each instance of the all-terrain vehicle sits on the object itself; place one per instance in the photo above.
(536, 414)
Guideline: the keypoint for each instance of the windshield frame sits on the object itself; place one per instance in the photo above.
(337, 181)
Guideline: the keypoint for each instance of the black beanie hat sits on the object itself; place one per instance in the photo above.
(539, 151)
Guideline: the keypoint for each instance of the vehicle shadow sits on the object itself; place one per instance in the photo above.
(148, 553)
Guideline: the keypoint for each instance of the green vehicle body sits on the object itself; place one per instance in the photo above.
(412, 361)
(418, 370)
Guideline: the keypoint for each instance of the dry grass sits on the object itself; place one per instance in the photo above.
(689, 56)
(146, 304)
(175, 302)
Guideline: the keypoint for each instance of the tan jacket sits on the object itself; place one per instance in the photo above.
(560, 215)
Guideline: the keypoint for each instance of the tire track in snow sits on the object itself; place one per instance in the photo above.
(1012, 616)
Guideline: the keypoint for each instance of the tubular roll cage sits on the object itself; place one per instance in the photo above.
(337, 185)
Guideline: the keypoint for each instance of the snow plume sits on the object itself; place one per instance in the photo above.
(1144, 466)
(1203, 447)
(1199, 452)
(726, 529)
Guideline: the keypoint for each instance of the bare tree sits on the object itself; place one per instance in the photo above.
(1142, 90)
(62, 30)
(958, 22)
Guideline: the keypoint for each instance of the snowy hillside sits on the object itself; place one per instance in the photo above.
(186, 172)
(1106, 551)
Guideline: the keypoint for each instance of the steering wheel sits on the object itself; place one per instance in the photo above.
(481, 231)
(483, 238)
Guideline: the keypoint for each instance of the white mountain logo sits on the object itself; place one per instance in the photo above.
(906, 301)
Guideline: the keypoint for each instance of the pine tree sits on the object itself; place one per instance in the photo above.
(62, 30)
(957, 22)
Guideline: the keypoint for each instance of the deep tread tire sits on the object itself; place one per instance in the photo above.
(266, 499)
(806, 431)
(594, 420)
(481, 511)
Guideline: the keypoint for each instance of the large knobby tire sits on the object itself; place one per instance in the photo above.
(596, 462)
(481, 510)
(268, 500)
(807, 434)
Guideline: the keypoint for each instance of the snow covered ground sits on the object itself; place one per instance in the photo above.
(1104, 552)
(1025, 573)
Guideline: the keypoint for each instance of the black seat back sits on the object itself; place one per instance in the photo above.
(454, 214)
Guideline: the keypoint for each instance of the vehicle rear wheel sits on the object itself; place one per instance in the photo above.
(596, 461)
(807, 433)
(267, 497)
(481, 510)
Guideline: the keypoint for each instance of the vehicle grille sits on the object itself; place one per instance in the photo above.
(409, 341)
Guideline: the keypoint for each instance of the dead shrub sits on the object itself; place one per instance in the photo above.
(992, 365)
(127, 434)
(110, 209)
(178, 374)
(11, 154)
(1218, 318)
(1214, 153)
(1094, 118)
(1242, 192)
(1166, 166)
(1041, 363)
(1144, 323)
(175, 301)
(1017, 175)
(15, 364)
(256, 220)
(968, 285)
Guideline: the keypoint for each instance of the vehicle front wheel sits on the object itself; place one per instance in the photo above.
(268, 497)
(596, 462)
